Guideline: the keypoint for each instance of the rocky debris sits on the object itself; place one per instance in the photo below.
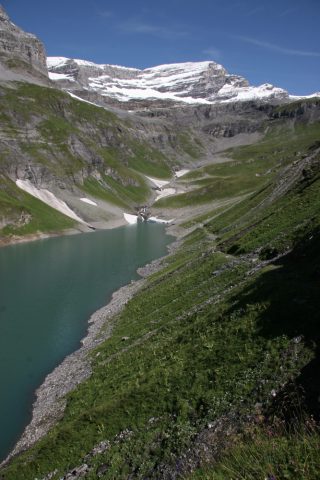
(102, 469)
(82, 470)
(20, 51)
(144, 212)
(99, 449)
(123, 436)
(151, 268)
(205, 449)
(222, 432)
(50, 396)
(78, 472)
(50, 475)
(24, 219)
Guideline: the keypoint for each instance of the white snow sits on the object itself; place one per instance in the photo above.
(49, 198)
(83, 100)
(176, 79)
(87, 200)
(86, 63)
(139, 92)
(53, 62)
(159, 220)
(176, 82)
(130, 218)
(167, 67)
(182, 172)
(297, 97)
(159, 183)
(102, 66)
(242, 94)
(165, 193)
(60, 76)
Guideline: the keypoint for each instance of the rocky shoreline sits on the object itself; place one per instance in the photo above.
(50, 400)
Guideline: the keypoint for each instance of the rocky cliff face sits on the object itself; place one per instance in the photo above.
(167, 118)
(190, 83)
(21, 53)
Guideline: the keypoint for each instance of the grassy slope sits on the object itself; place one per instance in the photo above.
(210, 336)
(269, 453)
(104, 143)
(29, 215)
(253, 166)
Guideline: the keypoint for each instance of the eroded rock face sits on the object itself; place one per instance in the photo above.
(20, 51)
(190, 83)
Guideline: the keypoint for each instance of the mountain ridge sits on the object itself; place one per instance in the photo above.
(22, 54)
(193, 83)
(165, 118)
(221, 345)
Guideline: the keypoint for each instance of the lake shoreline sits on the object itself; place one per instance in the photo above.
(50, 400)
(32, 237)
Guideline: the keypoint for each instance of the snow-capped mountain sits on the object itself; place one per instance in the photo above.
(191, 83)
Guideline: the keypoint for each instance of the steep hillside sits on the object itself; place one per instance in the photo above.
(22, 55)
(91, 165)
(74, 150)
(219, 351)
(212, 368)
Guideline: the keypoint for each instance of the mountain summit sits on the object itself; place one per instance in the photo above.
(191, 83)
(22, 55)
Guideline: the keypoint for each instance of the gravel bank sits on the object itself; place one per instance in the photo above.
(50, 400)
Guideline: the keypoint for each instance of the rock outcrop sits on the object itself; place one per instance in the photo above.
(22, 55)
(191, 83)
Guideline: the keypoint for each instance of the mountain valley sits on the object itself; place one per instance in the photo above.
(212, 367)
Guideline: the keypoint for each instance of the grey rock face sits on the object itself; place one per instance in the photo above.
(20, 51)
(189, 83)
(196, 80)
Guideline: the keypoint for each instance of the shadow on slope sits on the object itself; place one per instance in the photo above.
(289, 291)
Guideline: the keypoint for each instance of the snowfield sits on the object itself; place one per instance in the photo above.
(60, 76)
(88, 201)
(131, 219)
(156, 181)
(49, 198)
(166, 192)
(190, 82)
(182, 172)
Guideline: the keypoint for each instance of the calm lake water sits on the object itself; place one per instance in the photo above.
(48, 290)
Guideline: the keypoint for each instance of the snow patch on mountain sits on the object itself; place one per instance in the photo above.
(165, 192)
(131, 219)
(60, 76)
(83, 100)
(156, 181)
(182, 172)
(190, 82)
(49, 198)
(251, 93)
(297, 97)
(88, 201)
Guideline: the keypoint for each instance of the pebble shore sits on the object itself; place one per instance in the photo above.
(50, 401)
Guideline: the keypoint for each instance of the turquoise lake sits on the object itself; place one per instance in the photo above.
(48, 291)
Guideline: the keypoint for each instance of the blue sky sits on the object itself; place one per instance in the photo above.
(275, 41)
